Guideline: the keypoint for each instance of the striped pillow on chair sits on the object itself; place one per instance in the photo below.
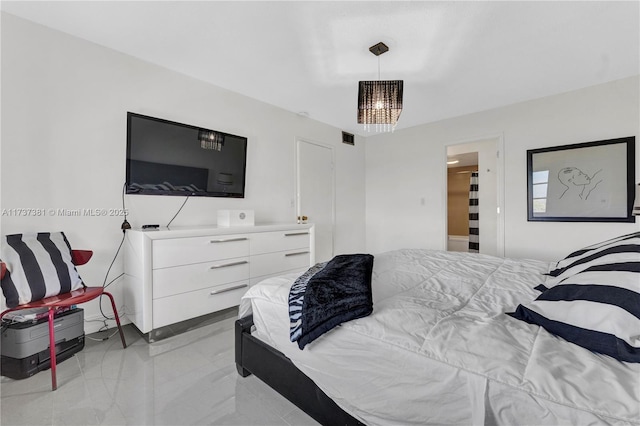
(594, 301)
(39, 265)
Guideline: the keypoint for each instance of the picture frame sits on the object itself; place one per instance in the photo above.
(584, 182)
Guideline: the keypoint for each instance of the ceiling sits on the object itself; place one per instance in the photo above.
(307, 57)
(463, 160)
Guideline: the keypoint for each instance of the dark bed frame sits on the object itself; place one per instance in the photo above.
(256, 357)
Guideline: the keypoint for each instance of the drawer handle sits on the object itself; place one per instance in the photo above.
(292, 234)
(235, 287)
(224, 265)
(296, 253)
(228, 240)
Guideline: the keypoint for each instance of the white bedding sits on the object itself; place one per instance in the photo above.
(438, 349)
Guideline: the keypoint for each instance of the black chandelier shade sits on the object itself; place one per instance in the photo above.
(380, 102)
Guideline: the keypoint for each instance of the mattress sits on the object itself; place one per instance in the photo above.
(439, 349)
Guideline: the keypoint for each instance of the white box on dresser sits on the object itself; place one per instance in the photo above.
(172, 275)
(236, 218)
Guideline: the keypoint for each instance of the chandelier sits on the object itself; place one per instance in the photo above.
(210, 139)
(379, 101)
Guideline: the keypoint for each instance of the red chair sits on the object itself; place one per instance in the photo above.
(75, 297)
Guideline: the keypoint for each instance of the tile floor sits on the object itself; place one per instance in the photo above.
(187, 379)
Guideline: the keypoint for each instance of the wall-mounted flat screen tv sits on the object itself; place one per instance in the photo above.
(169, 158)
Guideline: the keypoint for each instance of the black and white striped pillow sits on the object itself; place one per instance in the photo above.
(596, 302)
(39, 265)
(617, 250)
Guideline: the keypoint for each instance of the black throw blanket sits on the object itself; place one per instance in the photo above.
(329, 294)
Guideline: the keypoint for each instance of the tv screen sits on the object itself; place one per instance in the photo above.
(169, 158)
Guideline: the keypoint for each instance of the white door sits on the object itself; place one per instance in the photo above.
(315, 197)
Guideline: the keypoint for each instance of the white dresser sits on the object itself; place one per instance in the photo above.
(182, 273)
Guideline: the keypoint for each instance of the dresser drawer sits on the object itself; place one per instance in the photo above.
(185, 251)
(274, 263)
(182, 279)
(267, 242)
(172, 309)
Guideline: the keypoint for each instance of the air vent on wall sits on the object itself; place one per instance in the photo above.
(348, 138)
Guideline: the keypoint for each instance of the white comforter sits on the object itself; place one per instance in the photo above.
(439, 349)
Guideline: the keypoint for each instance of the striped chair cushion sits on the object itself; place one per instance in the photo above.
(596, 301)
(39, 265)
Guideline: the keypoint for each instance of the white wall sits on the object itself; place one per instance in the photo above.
(64, 104)
(404, 166)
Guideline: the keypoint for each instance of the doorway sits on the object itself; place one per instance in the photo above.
(315, 183)
(484, 157)
(459, 170)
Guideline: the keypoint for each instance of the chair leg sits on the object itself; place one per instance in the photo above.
(115, 314)
(52, 350)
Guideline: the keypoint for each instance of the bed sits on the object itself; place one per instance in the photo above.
(440, 348)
